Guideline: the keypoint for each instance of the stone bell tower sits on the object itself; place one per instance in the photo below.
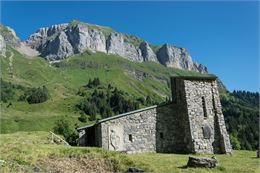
(200, 115)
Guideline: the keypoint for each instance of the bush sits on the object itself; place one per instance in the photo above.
(7, 90)
(36, 95)
(94, 83)
(83, 118)
(62, 127)
(234, 142)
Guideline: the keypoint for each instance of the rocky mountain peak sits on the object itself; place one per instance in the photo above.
(9, 36)
(64, 40)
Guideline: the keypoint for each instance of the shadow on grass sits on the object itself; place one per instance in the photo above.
(183, 167)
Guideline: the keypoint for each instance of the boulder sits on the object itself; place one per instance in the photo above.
(202, 162)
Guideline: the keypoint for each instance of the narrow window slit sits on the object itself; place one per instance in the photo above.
(204, 107)
(130, 138)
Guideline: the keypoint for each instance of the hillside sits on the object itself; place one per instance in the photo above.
(241, 110)
(64, 79)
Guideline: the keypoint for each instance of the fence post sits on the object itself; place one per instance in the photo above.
(54, 135)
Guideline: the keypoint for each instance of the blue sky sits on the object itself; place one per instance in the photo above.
(224, 36)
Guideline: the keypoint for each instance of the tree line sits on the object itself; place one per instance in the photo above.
(241, 111)
(106, 101)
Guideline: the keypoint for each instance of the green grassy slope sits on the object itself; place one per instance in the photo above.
(28, 151)
(63, 80)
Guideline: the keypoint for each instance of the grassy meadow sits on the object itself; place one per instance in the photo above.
(30, 151)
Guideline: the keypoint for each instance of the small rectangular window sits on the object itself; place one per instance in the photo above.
(130, 138)
(204, 107)
(161, 135)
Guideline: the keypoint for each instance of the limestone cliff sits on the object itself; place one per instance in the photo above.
(61, 41)
(172, 56)
(147, 52)
(9, 36)
(117, 44)
(64, 40)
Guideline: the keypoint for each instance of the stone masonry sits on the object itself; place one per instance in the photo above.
(192, 123)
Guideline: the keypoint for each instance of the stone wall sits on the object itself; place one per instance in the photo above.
(223, 140)
(135, 133)
(206, 121)
(172, 120)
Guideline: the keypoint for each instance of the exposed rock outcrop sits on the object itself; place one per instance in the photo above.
(9, 36)
(64, 40)
(147, 52)
(61, 41)
(58, 47)
(82, 38)
(42, 35)
(2, 46)
(172, 56)
(116, 44)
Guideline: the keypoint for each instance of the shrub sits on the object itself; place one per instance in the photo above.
(62, 127)
(36, 95)
(94, 83)
(234, 142)
(83, 118)
(7, 91)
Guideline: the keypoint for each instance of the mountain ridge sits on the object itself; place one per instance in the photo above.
(64, 40)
